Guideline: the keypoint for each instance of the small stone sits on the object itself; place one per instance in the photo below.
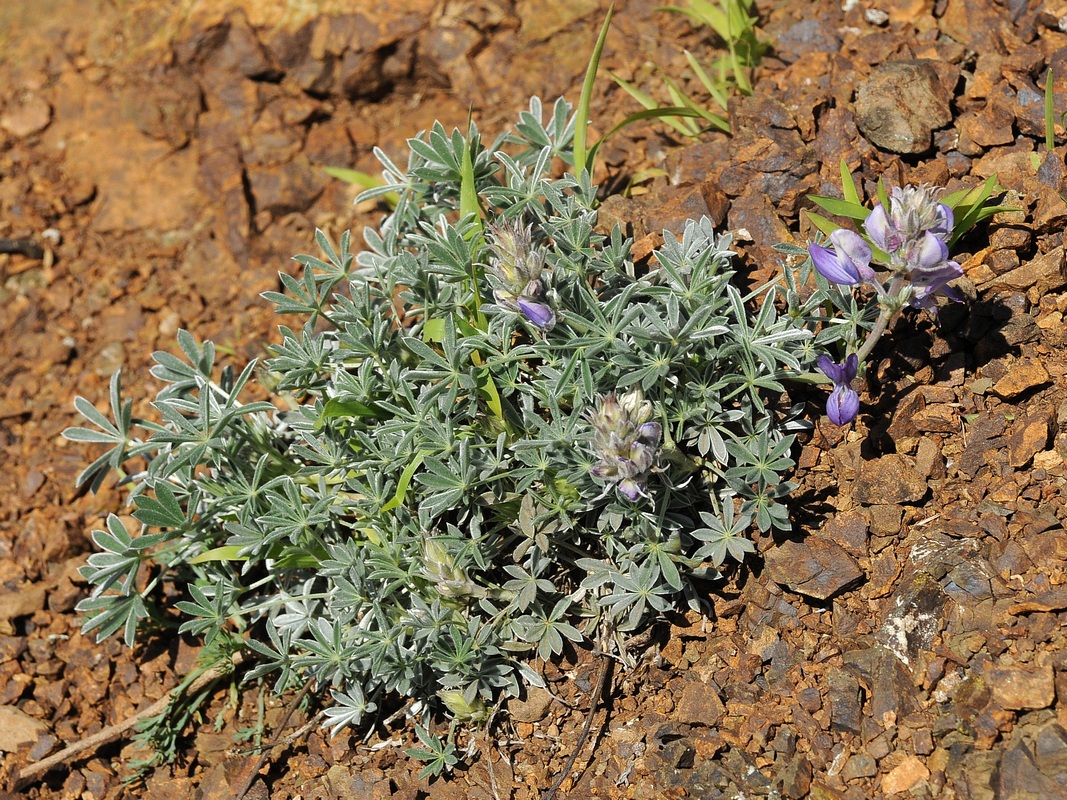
(25, 118)
(1025, 375)
(901, 104)
(967, 582)
(795, 778)
(923, 742)
(534, 708)
(885, 520)
(1046, 273)
(989, 127)
(18, 728)
(22, 602)
(845, 701)
(1049, 460)
(804, 38)
(884, 571)
(860, 765)
(905, 775)
(928, 460)
(875, 16)
(892, 478)
(848, 529)
(937, 418)
(816, 567)
(1050, 748)
(1019, 776)
(1029, 437)
(1020, 687)
(699, 705)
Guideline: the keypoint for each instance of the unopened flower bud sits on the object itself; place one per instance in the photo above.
(626, 440)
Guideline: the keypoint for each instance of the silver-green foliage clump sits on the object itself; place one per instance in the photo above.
(489, 436)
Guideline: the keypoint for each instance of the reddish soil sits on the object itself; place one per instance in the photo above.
(166, 163)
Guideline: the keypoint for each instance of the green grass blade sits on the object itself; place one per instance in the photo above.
(848, 185)
(354, 176)
(713, 88)
(405, 481)
(708, 116)
(883, 195)
(225, 553)
(972, 209)
(469, 205)
(468, 189)
(581, 118)
(821, 222)
(679, 98)
(649, 103)
(364, 181)
(649, 113)
(840, 208)
(710, 15)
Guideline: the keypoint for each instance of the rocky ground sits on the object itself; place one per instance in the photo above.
(165, 160)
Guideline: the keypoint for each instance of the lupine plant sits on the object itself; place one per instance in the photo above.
(491, 437)
(902, 260)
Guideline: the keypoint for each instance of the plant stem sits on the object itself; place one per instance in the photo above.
(113, 732)
(887, 310)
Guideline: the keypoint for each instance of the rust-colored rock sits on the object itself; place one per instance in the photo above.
(816, 567)
(1020, 687)
(892, 478)
(1021, 378)
(26, 117)
(700, 705)
(900, 106)
(533, 708)
(904, 776)
(18, 728)
(1029, 437)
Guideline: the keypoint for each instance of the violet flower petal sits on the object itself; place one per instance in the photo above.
(830, 266)
(945, 223)
(649, 433)
(538, 313)
(928, 285)
(850, 245)
(841, 374)
(843, 405)
(829, 368)
(931, 251)
(877, 226)
(852, 367)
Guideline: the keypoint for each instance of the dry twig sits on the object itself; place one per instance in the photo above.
(601, 682)
(90, 743)
(249, 775)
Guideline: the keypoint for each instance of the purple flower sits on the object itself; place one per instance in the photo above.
(914, 233)
(913, 215)
(538, 313)
(946, 220)
(849, 262)
(930, 283)
(928, 253)
(844, 403)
